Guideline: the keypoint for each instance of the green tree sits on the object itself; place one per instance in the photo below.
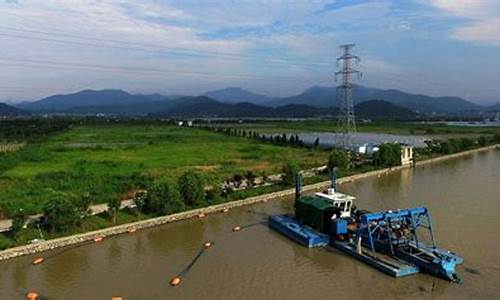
(83, 205)
(339, 158)
(60, 214)
(388, 155)
(163, 198)
(290, 171)
(191, 189)
(140, 200)
(114, 204)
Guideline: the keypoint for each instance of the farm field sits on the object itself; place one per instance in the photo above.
(109, 160)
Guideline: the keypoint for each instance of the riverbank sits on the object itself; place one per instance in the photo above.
(220, 208)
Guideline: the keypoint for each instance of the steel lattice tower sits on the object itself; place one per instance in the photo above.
(346, 119)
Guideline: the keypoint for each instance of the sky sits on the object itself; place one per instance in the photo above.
(273, 47)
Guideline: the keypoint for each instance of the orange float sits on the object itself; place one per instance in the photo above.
(175, 281)
(207, 244)
(236, 228)
(32, 296)
(38, 261)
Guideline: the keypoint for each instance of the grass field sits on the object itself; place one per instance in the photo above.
(111, 159)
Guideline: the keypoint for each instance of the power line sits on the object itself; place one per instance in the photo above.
(140, 46)
(72, 65)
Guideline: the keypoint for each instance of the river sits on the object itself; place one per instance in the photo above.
(462, 194)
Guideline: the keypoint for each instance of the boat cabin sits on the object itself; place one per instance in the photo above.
(318, 211)
(342, 201)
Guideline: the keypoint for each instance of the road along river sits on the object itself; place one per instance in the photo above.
(462, 194)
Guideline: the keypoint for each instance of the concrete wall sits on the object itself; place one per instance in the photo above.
(120, 229)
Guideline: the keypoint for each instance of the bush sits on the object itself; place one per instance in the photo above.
(60, 214)
(339, 158)
(388, 155)
(163, 198)
(191, 189)
(290, 170)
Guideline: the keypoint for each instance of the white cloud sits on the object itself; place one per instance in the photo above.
(482, 19)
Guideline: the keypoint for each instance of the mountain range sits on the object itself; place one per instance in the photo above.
(119, 102)
(204, 107)
(323, 97)
(11, 111)
(236, 95)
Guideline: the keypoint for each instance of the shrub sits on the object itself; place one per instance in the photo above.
(290, 171)
(191, 189)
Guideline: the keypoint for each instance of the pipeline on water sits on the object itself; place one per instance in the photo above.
(176, 280)
(238, 228)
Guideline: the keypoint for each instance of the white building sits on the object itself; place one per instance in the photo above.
(406, 155)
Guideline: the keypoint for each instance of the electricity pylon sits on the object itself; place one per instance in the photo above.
(346, 119)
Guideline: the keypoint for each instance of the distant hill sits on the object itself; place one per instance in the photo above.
(237, 95)
(204, 107)
(380, 109)
(494, 107)
(11, 111)
(119, 102)
(88, 98)
(327, 96)
(198, 107)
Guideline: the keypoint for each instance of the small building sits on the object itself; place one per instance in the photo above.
(406, 154)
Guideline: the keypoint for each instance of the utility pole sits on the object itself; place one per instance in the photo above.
(346, 119)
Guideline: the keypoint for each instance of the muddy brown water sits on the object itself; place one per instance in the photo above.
(463, 196)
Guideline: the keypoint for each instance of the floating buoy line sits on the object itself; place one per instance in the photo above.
(176, 280)
(238, 228)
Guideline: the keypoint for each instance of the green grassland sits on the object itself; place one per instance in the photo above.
(109, 160)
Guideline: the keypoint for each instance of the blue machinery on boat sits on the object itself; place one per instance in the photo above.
(391, 241)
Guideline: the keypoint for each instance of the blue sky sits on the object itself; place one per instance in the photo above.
(275, 47)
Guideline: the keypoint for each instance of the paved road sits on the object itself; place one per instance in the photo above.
(95, 209)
